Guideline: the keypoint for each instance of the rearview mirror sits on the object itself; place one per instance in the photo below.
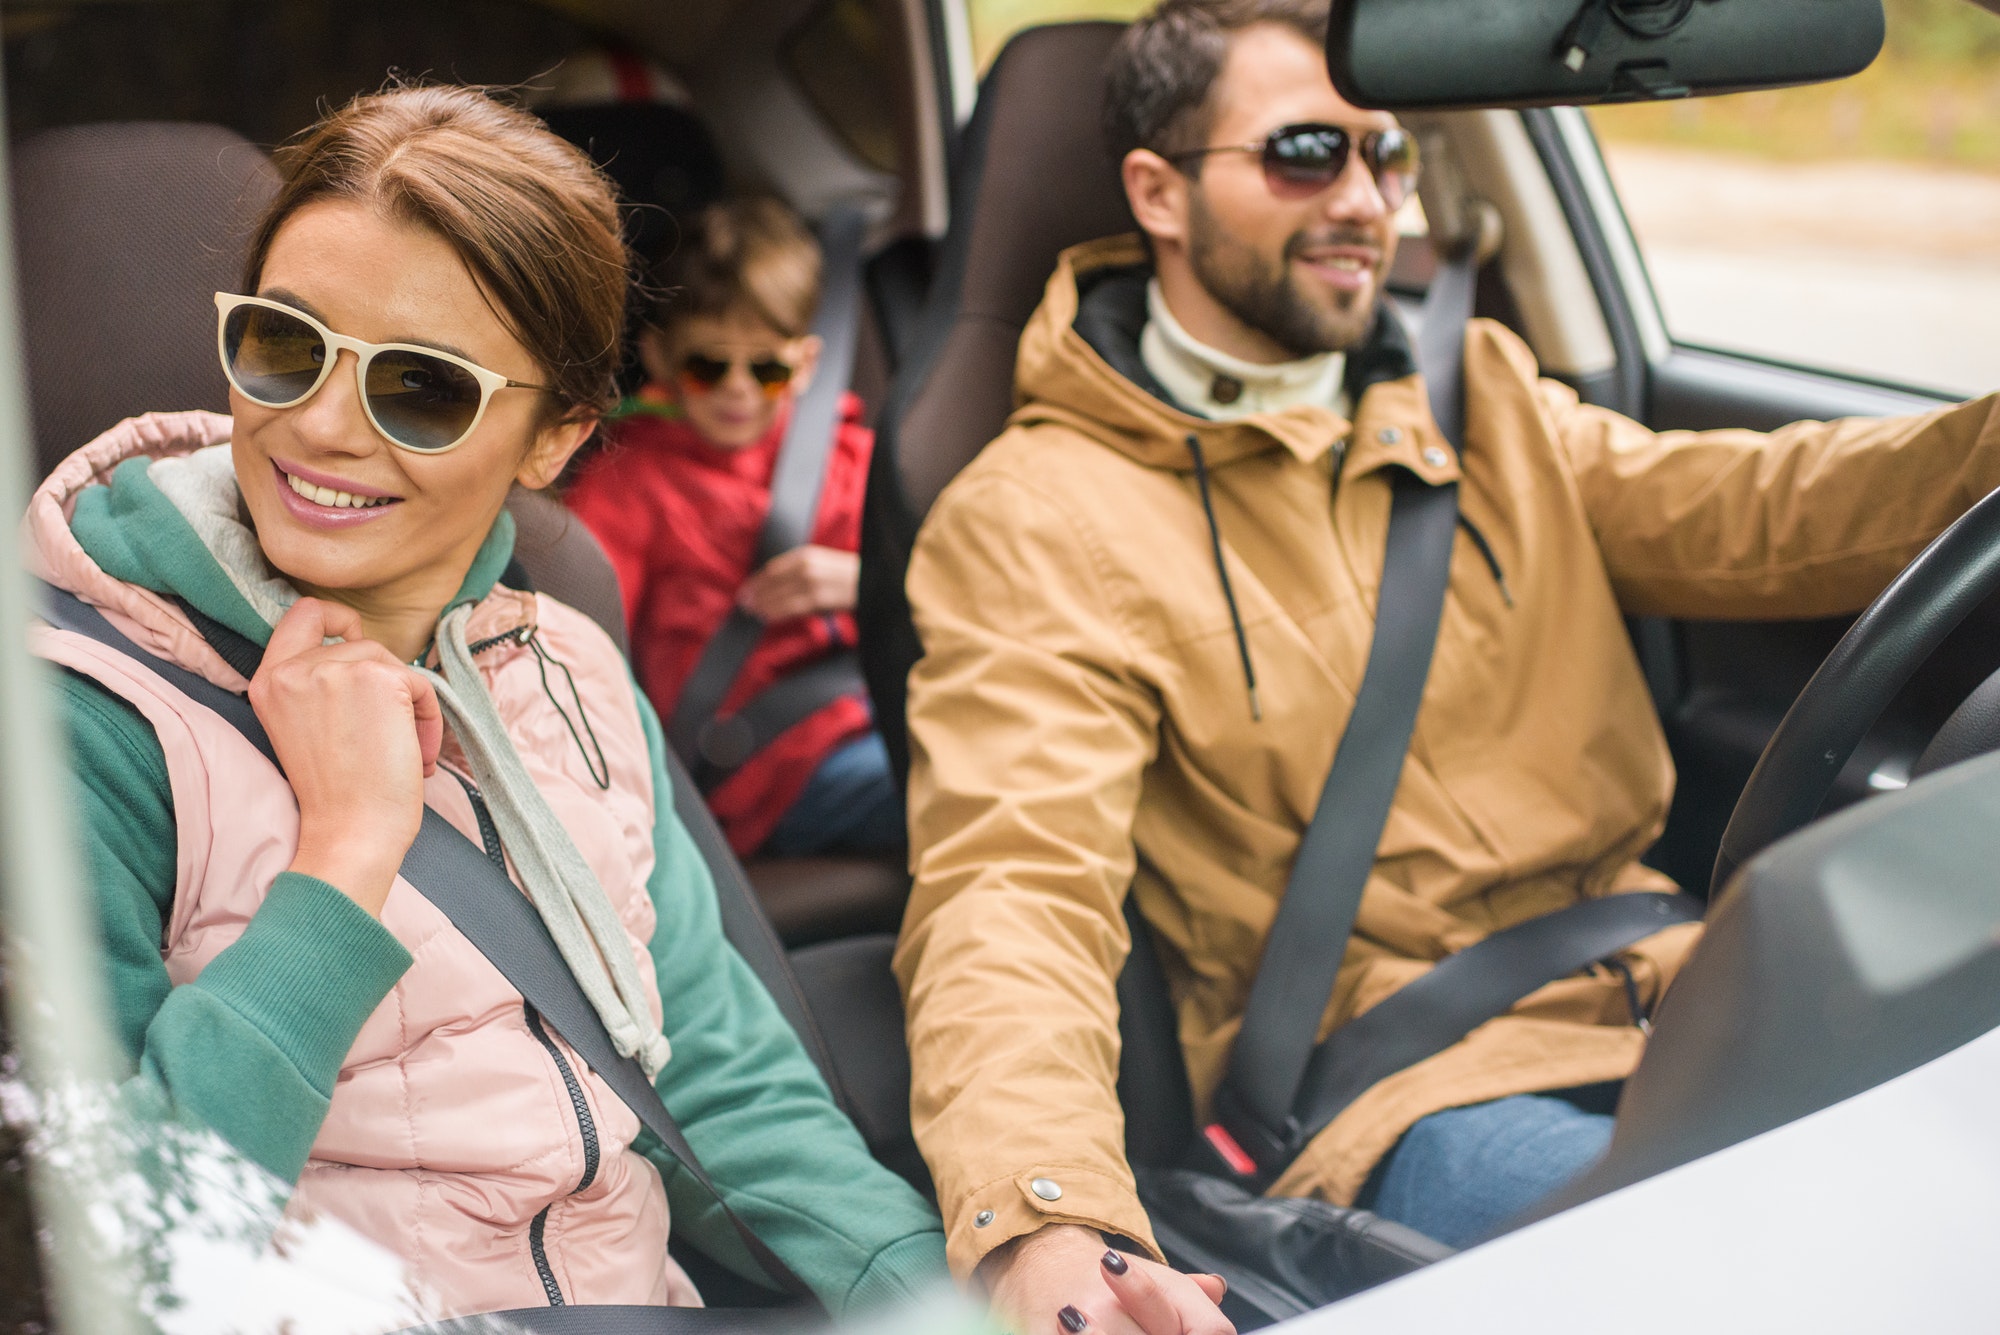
(1413, 55)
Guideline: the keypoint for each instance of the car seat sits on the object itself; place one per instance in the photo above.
(1033, 176)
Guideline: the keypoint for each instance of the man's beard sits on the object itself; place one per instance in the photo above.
(1266, 297)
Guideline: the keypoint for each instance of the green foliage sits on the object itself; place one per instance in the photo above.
(1943, 32)
(1933, 96)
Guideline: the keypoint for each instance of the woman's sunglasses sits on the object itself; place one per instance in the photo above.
(1302, 160)
(418, 398)
(702, 373)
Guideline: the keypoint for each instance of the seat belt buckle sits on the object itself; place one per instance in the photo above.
(1227, 1149)
(1254, 1155)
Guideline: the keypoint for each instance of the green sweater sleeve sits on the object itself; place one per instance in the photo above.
(756, 1111)
(251, 1047)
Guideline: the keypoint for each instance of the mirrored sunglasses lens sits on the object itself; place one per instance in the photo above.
(1394, 160)
(272, 357)
(423, 403)
(1306, 159)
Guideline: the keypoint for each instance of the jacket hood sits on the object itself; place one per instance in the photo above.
(145, 522)
(1079, 365)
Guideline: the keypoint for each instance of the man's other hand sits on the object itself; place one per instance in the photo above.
(1061, 1280)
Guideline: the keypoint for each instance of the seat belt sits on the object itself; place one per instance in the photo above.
(712, 744)
(487, 908)
(1278, 1090)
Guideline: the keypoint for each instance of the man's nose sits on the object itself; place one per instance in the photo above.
(1355, 196)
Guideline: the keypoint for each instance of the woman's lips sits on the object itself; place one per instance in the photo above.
(314, 515)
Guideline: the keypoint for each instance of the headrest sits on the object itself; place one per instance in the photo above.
(123, 232)
(1034, 177)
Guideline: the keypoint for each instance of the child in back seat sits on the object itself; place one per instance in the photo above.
(679, 497)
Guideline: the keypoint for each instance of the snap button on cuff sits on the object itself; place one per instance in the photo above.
(1047, 1190)
(1434, 457)
(982, 1219)
(1389, 435)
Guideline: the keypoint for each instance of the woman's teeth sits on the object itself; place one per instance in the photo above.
(327, 496)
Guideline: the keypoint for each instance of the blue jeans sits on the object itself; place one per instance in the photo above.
(850, 805)
(1458, 1175)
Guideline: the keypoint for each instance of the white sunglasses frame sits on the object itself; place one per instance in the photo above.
(490, 382)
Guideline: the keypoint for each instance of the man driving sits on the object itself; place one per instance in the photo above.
(1146, 610)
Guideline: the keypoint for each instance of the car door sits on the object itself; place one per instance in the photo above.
(1779, 256)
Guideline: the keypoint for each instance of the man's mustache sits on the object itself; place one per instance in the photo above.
(1301, 242)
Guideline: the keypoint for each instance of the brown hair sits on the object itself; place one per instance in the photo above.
(1158, 77)
(749, 255)
(531, 216)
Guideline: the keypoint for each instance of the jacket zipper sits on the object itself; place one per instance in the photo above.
(489, 836)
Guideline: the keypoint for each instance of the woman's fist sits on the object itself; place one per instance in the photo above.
(357, 733)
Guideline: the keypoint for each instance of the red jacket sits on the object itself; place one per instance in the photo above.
(679, 519)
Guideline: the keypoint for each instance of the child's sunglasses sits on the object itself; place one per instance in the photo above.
(419, 398)
(1302, 160)
(702, 373)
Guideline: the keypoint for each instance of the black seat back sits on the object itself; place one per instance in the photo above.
(1032, 177)
(122, 233)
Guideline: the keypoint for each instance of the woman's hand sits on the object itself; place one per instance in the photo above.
(800, 582)
(1061, 1279)
(357, 733)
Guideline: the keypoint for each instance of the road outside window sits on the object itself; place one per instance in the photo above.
(1853, 227)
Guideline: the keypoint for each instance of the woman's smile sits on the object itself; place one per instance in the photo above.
(321, 501)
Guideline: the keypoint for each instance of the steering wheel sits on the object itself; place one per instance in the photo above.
(1873, 661)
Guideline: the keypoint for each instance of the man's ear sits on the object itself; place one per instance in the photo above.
(553, 449)
(1158, 193)
(804, 356)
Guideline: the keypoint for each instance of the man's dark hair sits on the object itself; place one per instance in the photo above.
(1157, 81)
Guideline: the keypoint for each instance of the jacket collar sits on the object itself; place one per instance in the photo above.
(1079, 365)
(148, 548)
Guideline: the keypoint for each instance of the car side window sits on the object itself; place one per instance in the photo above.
(1847, 227)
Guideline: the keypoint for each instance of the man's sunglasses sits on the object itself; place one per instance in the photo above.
(1302, 160)
(702, 373)
(418, 398)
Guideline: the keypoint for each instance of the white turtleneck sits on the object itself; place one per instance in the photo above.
(1194, 373)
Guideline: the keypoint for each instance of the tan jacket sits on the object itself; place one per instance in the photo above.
(1080, 724)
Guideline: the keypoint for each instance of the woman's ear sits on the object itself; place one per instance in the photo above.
(1158, 193)
(557, 443)
(803, 353)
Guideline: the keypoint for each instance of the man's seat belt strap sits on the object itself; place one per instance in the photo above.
(1279, 1088)
(486, 907)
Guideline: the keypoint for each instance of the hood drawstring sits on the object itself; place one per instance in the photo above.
(1492, 561)
(1222, 571)
(560, 883)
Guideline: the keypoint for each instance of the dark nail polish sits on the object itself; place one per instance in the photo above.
(1115, 1263)
(1072, 1320)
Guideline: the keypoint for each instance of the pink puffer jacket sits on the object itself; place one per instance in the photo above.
(459, 1137)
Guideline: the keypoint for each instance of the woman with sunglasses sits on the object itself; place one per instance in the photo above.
(679, 502)
(430, 315)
